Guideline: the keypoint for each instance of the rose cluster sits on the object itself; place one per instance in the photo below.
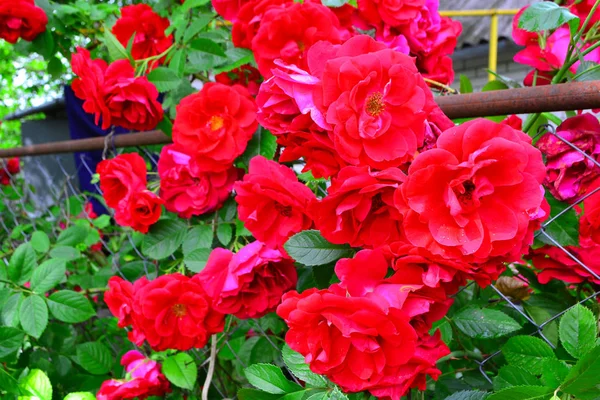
(546, 52)
(285, 30)
(8, 169)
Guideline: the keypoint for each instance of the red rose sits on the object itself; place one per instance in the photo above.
(228, 9)
(189, 189)
(121, 176)
(248, 21)
(250, 283)
(272, 203)
(139, 210)
(359, 208)
(114, 94)
(392, 12)
(149, 29)
(514, 121)
(144, 379)
(89, 84)
(570, 171)
(477, 196)
(541, 78)
(554, 263)
(174, 312)
(21, 19)
(246, 75)
(590, 219)
(375, 100)
(287, 31)
(216, 123)
(132, 102)
(118, 298)
(435, 62)
(13, 166)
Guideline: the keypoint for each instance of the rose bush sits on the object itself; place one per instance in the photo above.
(319, 228)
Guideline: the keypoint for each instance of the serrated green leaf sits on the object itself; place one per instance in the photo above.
(196, 260)
(224, 233)
(297, 366)
(578, 331)
(177, 63)
(310, 248)
(116, 51)
(66, 253)
(72, 236)
(583, 380)
(200, 22)
(48, 275)
(69, 306)
(10, 310)
(94, 357)
(181, 370)
(523, 393)
(22, 263)
(270, 379)
(11, 340)
(199, 237)
(207, 46)
(546, 16)
(263, 143)
(554, 372)
(40, 242)
(529, 351)
(101, 222)
(164, 238)
(564, 229)
(164, 79)
(468, 395)
(37, 384)
(33, 314)
(484, 323)
(511, 375)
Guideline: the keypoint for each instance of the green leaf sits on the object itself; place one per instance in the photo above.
(69, 306)
(494, 85)
(583, 380)
(10, 310)
(116, 51)
(511, 375)
(34, 316)
(40, 242)
(468, 395)
(334, 3)
(578, 331)
(11, 340)
(189, 4)
(263, 143)
(199, 237)
(554, 372)
(22, 263)
(236, 58)
(177, 63)
(529, 351)
(181, 370)
(66, 253)
(564, 229)
(224, 233)
(545, 16)
(587, 71)
(296, 364)
(337, 394)
(200, 22)
(94, 357)
(8, 383)
(310, 248)
(164, 238)
(166, 126)
(44, 44)
(37, 384)
(465, 84)
(80, 396)
(48, 275)
(484, 323)
(253, 394)
(196, 260)
(101, 222)
(523, 393)
(207, 46)
(270, 379)
(164, 79)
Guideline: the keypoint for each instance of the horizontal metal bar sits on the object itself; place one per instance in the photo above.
(478, 13)
(564, 97)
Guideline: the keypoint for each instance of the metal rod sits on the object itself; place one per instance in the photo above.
(493, 51)
(478, 13)
(563, 97)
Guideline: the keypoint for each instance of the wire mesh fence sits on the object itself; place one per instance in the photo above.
(32, 206)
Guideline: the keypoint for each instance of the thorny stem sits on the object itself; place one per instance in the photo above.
(211, 367)
(441, 85)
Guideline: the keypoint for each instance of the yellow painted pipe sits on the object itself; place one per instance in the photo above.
(479, 13)
(493, 51)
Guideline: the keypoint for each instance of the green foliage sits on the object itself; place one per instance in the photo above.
(545, 16)
(181, 370)
(310, 248)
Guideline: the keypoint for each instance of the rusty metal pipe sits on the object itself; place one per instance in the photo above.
(568, 96)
